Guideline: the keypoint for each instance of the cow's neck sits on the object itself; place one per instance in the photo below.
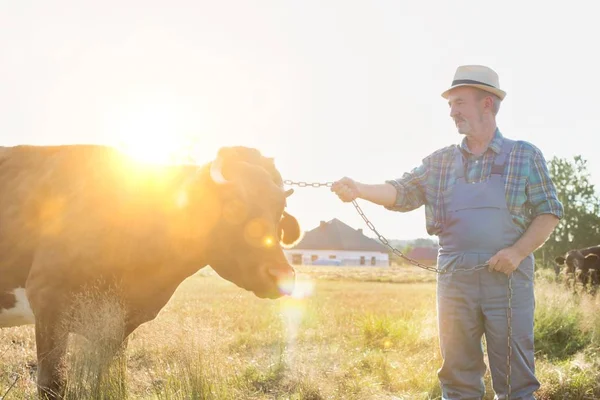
(177, 245)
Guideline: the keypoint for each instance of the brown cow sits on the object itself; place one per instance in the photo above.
(77, 216)
(581, 265)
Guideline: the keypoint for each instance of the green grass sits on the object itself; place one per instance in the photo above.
(359, 333)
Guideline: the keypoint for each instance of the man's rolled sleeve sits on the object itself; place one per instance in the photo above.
(543, 197)
(409, 190)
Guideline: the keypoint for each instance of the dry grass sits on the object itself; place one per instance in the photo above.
(396, 274)
(357, 333)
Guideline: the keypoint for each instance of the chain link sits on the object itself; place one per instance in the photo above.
(308, 184)
(397, 252)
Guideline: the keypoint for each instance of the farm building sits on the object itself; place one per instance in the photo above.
(424, 255)
(335, 243)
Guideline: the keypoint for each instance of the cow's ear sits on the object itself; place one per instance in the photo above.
(289, 229)
(560, 260)
(241, 153)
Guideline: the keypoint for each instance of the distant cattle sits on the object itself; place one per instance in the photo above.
(73, 217)
(582, 265)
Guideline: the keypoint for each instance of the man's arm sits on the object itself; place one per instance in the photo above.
(536, 234)
(403, 194)
(383, 194)
(548, 211)
(507, 260)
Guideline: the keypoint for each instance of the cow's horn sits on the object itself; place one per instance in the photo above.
(215, 172)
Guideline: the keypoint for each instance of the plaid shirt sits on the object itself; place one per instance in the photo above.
(528, 188)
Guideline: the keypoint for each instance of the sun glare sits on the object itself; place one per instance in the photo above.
(155, 152)
(292, 311)
(152, 133)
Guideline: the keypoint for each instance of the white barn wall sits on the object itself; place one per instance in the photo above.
(347, 257)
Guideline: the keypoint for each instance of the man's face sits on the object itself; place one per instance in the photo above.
(466, 108)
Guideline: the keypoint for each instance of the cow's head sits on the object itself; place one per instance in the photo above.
(574, 260)
(253, 225)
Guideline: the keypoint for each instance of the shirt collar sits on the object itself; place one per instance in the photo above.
(495, 144)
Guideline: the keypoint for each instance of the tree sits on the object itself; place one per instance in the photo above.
(425, 242)
(580, 226)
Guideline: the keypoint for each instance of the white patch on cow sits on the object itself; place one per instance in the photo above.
(20, 314)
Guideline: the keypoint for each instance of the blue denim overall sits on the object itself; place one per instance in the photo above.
(478, 224)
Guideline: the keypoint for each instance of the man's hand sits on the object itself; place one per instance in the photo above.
(347, 189)
(506, 260)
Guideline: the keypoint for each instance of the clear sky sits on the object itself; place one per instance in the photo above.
(328, 88)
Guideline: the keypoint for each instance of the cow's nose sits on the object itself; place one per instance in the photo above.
(285, 278)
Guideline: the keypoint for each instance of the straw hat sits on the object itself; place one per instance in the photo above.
(477, 76)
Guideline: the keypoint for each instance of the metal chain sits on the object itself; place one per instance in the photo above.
(397, 252)
(308, 184)
(382, 238)
(509, 322)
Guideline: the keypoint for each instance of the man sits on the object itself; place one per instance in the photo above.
(490, 200)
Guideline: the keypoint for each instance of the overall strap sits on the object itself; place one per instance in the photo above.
(458, 165)
(501, 159)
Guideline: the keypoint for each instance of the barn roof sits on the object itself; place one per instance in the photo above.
(336, 235)
(423, 253)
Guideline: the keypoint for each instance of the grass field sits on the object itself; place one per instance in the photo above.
(350, 333)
